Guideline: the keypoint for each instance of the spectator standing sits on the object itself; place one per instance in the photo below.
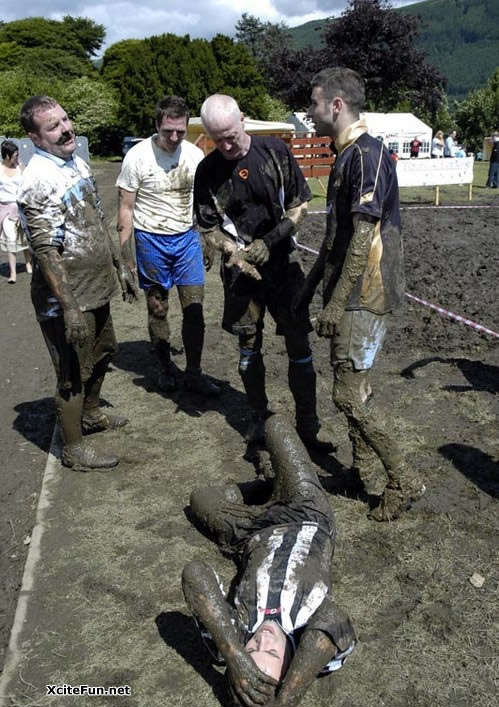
(437, 145)
(12, 237)
(450, 146)
(414, 147)
(493, 176)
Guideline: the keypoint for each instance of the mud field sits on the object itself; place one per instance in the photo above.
(112, 610)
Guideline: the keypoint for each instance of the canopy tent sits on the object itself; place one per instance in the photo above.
(196, 132)
(397, 130)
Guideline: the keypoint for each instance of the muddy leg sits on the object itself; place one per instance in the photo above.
(209, 509)
(252, 372)
(93, 418)
(76, 454)
(159, 331)
(191, 300)
(302, 383)
(295, 479)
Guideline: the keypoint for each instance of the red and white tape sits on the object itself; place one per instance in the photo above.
(439, 208)
(440, 310)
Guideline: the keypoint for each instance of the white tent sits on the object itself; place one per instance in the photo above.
(397, 130)
(262, 127)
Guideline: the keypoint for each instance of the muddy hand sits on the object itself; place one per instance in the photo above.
(208, 251)
(257, 253)
(328, 319)
(76, 331)
(128, 285)
(251, 685)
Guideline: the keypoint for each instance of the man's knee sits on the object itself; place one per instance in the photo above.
(348, 387)
(157, 302)
(249, 351)
(205, 502)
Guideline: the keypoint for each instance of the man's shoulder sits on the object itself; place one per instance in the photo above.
(269, 143)
(139, 150)
(191, 150)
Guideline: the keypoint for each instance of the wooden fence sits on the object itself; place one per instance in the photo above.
(314, 155)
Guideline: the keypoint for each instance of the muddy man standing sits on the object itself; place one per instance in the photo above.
(249, 196)
(361, 265)
(74, 267)
(155, 204)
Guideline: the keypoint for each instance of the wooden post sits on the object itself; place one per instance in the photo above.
(437, 195)
(470, 191)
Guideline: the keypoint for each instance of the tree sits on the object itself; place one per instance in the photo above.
(379, 43)
(240, 75)
(478, 115)
(88, 33)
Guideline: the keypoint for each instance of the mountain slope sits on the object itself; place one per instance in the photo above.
(459, 37)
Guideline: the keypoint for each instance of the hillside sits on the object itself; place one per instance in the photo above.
(460, 37)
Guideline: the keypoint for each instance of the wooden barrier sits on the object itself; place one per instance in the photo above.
(313, 155)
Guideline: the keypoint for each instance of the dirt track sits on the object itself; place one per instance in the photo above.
(425, 632)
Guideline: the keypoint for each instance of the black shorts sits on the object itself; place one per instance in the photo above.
(74, 365)
(247, 299)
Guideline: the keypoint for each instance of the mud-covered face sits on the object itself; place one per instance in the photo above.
(268, 649)
(171, 132)
(54, 132)
(320, 112)
(230, 137)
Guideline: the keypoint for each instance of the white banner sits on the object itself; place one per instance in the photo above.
(430, 173)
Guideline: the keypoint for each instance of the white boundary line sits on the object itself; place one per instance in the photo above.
(14, 654)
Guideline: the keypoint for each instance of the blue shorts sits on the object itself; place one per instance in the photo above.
(168, 260)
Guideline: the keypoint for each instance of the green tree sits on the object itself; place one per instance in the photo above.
(379, 43)
(129, 66)
(240, 75)
(478, 115)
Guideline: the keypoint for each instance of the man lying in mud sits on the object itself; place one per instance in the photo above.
(280, 627)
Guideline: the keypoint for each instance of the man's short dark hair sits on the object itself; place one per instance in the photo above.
(171, 107)
(343, 82)
(32, 106)
(8, 148)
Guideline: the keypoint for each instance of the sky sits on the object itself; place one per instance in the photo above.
(124, 19)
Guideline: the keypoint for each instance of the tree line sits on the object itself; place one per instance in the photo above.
(259, 67)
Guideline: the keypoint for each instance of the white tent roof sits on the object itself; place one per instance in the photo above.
(251, 126)
(395, 124)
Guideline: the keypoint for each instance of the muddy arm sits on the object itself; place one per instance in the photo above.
(54, 272)
(315, 650)
(329, 635)
(126, 204)
(207, 603)
(353, 267)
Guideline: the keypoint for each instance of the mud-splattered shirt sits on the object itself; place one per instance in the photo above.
(60, 208)
(285, 577)
(364, 181)
(247, 198)
(163, 183)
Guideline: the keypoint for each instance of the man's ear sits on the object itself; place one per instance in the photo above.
(337, 105)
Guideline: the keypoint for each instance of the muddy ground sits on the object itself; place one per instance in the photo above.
(427, 635)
